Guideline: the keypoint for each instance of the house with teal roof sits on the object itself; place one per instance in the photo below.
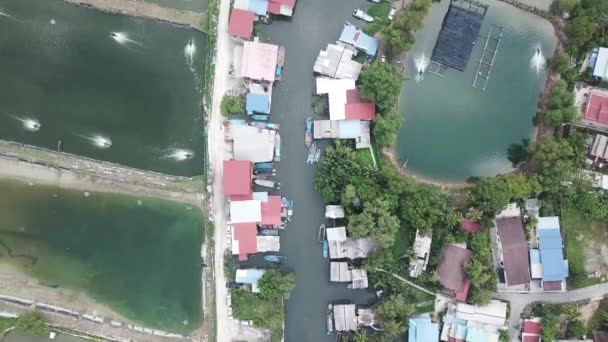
(422, 329)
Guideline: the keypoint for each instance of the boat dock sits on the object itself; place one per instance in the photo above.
(488, 55)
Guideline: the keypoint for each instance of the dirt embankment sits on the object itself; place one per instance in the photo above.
(147, 10)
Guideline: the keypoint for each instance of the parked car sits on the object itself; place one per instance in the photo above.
(246, 323)
(391, 13)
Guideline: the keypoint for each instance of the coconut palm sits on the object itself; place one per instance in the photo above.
(572, 311)
(474, 214)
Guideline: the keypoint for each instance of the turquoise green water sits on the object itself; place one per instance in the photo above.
(61, 66)
(188, 5)
(143, 260)
(453, 131)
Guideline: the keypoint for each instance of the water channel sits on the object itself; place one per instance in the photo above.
(453, 131)
(140, 256)
(110, 87)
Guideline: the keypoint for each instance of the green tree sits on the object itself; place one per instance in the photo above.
(558, 158)
(593, 204)
(420, 6)
(580, 31)
(376, 222)
(274, 285)
(393, 313)
(383, 260)
(426, 207)
(408, 21)
(336, 170)
(386, 128)
(490, 195)
(561, 61)
(232, 105)
(381, 83)
(397, 41)
(568, 5)
(518, 153)
(521, 187)
(32, 323)
(576, 329)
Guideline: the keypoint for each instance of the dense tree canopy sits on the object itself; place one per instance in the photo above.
(481, 269)
(376, 222)
(381, 83)
(393, 314)
(580, 31)
(521, 187)
(490, 195)
(386, 128)
(558, 158)
(335, 172)
(426, 207)
(275, 285)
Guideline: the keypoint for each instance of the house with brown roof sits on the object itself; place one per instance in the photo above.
(513, 250)
(452, 271)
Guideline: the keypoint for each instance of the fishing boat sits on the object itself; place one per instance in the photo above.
(269, 172)
(267, 183)
(325, 248)
(259, 117)
(317, 155)
(360, 14)
(263, 166)
(311, 153)
(269, 232)
(330, 321)
(275, 258)
(277, 147)
(308, 134)
(322, 232)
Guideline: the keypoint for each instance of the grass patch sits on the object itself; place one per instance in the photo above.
(319, 105)
(264, 314)
(364, 157)
(578, 230)
(403, 240)
(372, 28)
(380, 11)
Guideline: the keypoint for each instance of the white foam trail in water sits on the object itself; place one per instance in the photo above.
(6, 15)
(123, 38)
(180, 154)
(538, 61)
(53, 22)
(189, 51)
(98, 140)
(421, 63)
(29, 124)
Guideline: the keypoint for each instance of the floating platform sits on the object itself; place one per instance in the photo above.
(459, 31)
(488, 56)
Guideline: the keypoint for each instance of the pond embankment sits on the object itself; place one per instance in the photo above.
(147, 10)
(39, 165)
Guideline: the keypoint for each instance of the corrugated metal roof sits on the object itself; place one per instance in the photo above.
(422, 329)
(452, 268)
(245, 211)
(353, 36)
(258, 103)
(245, 239)
(249, 276)
(237, 177)
(600, 68)
(241, 23)
(510, 230)
(259, 61)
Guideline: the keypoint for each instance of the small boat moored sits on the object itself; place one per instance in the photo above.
(278, 259)
(263, 166)
(330, 321)
(360, 14)
(269, 172)
(259, 117)
(269, 232)
(308, 133)
(317, 155)
(325, 249)
(311, 153)
(267, 183)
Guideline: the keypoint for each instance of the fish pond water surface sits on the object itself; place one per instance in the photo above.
(110, 87)
(453, 131)
(140, 256)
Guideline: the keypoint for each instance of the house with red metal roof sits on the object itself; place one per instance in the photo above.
(241, 24)
(596, 110)
(281, 7)
(244, 240)
(452, 271)
(358, 109)
(271, 211)
(237, 178)
(531, 330)
(259, 61)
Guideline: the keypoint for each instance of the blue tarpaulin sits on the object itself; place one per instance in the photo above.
(258, 103)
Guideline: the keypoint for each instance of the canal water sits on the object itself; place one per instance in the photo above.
(316, 23)
(140, 256)
(133, 97)
(453, 131)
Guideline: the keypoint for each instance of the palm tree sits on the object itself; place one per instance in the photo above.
(474, 214)
(360, 336)
(573, 311)
(453, 219)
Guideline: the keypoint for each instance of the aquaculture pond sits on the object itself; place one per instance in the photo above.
(140, 256)
(109, 87)
(453, 131)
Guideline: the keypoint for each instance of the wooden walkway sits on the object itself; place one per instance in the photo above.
(488, 55)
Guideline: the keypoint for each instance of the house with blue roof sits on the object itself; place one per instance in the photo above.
(422, 329)
(259, 7)
(352, 36)
(257, 103)
(553, 266)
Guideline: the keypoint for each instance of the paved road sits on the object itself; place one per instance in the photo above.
(520, 300)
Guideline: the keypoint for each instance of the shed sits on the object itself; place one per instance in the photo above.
(339, 272)
(513, 247)
(253, 144)
(250, 276)
(422, 251)
(257, 103)
(359, 278)
(452, 271)
(495, 313)
(241, 23)
(336, 234)
(336, 62)
(422, 329)
(237, 177)
(599, 148)
(353, 36)
(351, 248)
(259, 61)
(600, 69)
(344, 317)
(245, 211)
(334, 211)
